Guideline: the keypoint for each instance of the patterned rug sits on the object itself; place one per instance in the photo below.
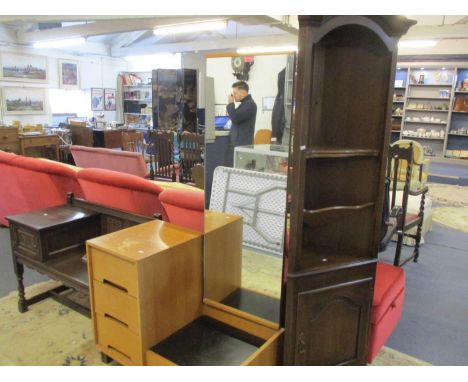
(52, 334)
(447, 194)
(454, 212)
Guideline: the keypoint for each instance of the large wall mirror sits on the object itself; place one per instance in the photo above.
(245, 186)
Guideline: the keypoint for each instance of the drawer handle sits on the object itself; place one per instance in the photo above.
(107, 315)
(117, 286)
(118, 351)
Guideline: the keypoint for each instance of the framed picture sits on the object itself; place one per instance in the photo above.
(23, 67)
(69, 74)
(97, 99)
(18, 101)
(109, 99)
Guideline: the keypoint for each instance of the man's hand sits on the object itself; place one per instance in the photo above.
(230, 98)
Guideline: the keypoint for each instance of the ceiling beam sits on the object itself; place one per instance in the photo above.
(226, 45)
(286, 23)
(107, 27)
(59, 18)
(436, 32)
(126, 39)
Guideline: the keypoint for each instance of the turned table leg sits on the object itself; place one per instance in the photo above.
(22, 305)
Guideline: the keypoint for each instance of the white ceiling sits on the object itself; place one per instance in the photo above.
(124, 35)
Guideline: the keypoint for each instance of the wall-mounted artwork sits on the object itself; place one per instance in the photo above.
(109, 99)
(18, 101)
(69, 74)
(22, 67)
(97, 99)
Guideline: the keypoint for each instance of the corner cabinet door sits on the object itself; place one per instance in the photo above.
(332, 324)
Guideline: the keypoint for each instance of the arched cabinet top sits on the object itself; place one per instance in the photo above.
(388, 28)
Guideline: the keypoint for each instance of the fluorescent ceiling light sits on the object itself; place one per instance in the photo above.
(416, 43)
(190, 27)
(59, 43)
(267, 49)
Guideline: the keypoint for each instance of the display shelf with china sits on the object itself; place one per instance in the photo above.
(398, 104)
(136, 98)
(427, 108)
(457, 138)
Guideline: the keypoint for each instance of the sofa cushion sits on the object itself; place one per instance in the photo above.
(389, 283)
(185, 208)
(123, 191)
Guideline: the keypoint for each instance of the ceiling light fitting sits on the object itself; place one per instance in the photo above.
(65, 43)
(417, 43)
(190, 27)
(266, 49)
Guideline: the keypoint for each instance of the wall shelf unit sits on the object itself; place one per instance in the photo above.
(136, 99)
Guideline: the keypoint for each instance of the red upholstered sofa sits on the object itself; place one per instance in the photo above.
(389, 297)
(115, 160)
(185, 208)
(123, 191)
(28, 184)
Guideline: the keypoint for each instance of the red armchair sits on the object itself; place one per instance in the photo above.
(389, 296)
(120, 190)
(185, 208)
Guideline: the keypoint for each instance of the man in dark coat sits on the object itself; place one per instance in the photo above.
(242, 119)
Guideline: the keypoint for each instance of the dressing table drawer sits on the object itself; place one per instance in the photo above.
(118, 340)
(113, 271)
(111, 301)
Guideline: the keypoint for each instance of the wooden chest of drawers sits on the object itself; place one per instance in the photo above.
(139, 278)
(9, 139)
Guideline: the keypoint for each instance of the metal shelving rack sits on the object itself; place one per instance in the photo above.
(427, 111)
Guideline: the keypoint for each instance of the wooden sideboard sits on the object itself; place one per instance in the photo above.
(9, 139)
(40, 141)
(52, 241)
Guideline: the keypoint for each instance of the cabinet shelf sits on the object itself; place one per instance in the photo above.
(400, 87)
(461, 92)
(338, 209)
(402, 101)
(134, 86)
(320, 260)
(432, 85)
(429, 110)
(458, 135)
(137, 113)
(428, 123)
(460, 112)
(431, 98)
(138, 99)
(329, 152)
(397, 116)
(425, 138)
(396, 131)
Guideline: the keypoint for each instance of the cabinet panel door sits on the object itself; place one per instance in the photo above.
(332, 324)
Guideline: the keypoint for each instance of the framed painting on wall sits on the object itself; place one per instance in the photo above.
(69, 74)
(22, 67)
(97, 99)
(109, 99)
(17, 101)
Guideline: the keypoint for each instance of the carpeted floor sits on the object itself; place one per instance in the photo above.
(52, 334)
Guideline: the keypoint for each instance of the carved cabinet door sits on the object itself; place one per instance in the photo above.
(332, 324)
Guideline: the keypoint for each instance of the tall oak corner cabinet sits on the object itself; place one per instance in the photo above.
(340, 138)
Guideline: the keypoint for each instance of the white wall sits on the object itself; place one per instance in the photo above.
(197, 61)
(95, 72)
(263, 82)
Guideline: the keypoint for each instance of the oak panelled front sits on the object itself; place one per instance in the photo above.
(321, 338)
